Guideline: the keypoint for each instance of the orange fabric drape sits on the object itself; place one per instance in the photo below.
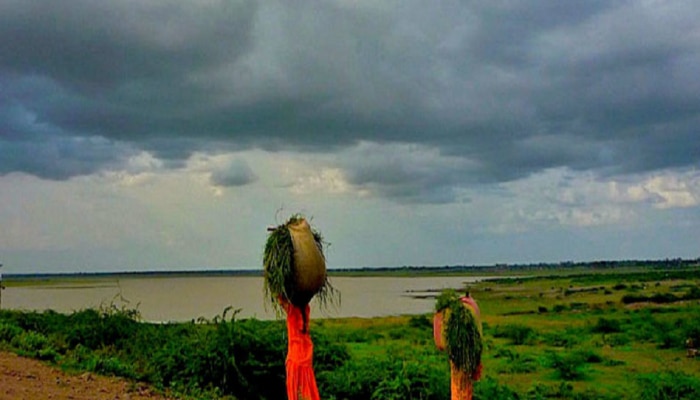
(462, 385)
(301, 381)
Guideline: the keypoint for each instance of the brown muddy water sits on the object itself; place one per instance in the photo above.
(163, 299)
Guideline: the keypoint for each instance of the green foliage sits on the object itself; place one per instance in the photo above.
(412, 380)
(242, 358)
(515, 362)
(8, 331)
(100, 328)
(666, 386)
(420, 321)
(662, 298)
(567, 338)
(567, 366)
(605, 325)
(490, 389)
(517, 333)
(542, 391)
(463, 336)
(34, 344)
(278, 259)
(617, 340)
(398, 373)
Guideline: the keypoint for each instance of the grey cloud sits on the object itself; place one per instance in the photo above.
(235, 173)
(406, 173)
(96, 46)
(60, 158)
(514, 88)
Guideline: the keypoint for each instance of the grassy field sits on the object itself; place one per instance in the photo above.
(579, 329)
(570, 334)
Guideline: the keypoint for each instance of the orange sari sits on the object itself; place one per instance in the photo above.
(301, 381)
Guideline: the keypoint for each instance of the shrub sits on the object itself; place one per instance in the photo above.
(420, 322)
(9, 331)
(605, 325)
(101, 328)
(568, 338)
(411, 381)
(400, 373)
(516, 363)
(568, 367)
(559, 308)
(489, 389)
(518, 334)
(616, 340)
(673, 385)
(33, 344)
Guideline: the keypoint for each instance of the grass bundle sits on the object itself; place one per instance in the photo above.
(282, 275)
(462, 332)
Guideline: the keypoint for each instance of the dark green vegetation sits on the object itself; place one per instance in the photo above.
(571, 336)
(462, 333)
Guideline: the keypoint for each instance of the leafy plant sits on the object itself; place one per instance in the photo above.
(605, 325)
(569, 366)
(517, 333)
(668, 385)
(462, 331)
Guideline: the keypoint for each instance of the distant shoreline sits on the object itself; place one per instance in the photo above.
(498, 269)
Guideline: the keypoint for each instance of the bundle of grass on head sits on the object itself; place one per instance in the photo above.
(461, 332)
(294, 265)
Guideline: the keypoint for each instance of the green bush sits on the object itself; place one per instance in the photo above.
(518, 334)
(567, 338)
(568, 367)
(33, 344)
(666, 386)
(421, 322)
(413, 380)
(9, 331)
(101, 328)
(617, 339)
(402, 373)
(605, 325)
(489, 389)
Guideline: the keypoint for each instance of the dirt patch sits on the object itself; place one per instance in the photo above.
(22, 378)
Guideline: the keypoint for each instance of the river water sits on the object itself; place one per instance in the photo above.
(173, 298)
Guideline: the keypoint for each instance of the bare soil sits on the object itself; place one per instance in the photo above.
(22, 378)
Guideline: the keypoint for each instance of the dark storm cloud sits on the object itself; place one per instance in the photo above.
(508, 88)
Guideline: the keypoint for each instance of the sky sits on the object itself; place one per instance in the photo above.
(169, 134)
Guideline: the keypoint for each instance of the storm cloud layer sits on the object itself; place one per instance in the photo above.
(417, 99)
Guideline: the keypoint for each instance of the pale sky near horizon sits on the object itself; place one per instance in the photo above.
(168, 135)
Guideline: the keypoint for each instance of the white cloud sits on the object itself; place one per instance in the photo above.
(663, 190)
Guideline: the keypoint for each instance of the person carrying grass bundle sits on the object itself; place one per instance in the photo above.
(295, 272)
(457, 330)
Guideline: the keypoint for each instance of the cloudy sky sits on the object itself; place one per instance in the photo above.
(168, 134)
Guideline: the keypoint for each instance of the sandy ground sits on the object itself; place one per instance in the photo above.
(22, 378)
